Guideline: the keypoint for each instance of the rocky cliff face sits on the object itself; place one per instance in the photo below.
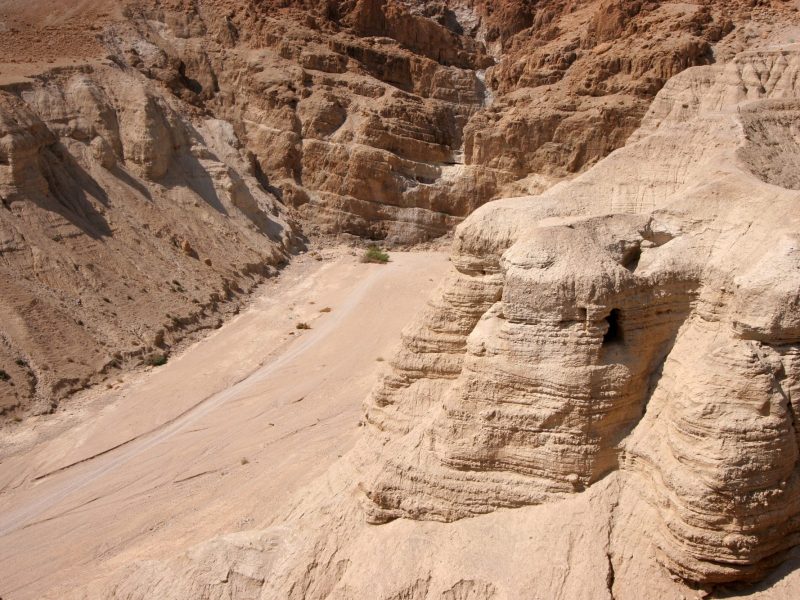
(151, 138)
(645, 340)
(602, 397)
(608, 383)
(394, 119)
(125, 226)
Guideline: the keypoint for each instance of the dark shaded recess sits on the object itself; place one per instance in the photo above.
(614, 333)
(449, 20)
(391, 69)
(191, 84)
(70, 187)
(262, 178)
(631, 258)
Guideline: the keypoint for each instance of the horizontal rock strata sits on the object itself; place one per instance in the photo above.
(648, 341)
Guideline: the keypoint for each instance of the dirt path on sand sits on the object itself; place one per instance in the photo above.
(216, 440)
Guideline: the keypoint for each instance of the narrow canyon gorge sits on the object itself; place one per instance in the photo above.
(596, 397)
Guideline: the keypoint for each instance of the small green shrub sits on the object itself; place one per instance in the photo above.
(375, 255)
(4, 376)
(303, 326)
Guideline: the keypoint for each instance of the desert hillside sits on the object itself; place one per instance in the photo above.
(159, 159)
(599, 400)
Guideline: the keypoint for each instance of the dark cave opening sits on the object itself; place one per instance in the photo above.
(614, 333)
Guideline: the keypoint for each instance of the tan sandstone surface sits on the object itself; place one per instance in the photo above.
(599, 401)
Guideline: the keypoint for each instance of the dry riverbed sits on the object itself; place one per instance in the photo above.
(214, 441)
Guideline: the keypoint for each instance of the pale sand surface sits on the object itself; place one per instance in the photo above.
(216, 440)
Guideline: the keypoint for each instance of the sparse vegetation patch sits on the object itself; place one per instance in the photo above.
(375, 255)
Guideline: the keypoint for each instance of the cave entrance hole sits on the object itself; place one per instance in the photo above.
(614, 333)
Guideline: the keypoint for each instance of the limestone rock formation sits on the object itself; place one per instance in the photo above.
(601, 399)
(646, 340)
(395, 119)
(133, 128)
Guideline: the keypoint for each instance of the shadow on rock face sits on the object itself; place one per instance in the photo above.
(72, 190)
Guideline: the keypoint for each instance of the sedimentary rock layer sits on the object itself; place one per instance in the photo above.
(648, 340)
